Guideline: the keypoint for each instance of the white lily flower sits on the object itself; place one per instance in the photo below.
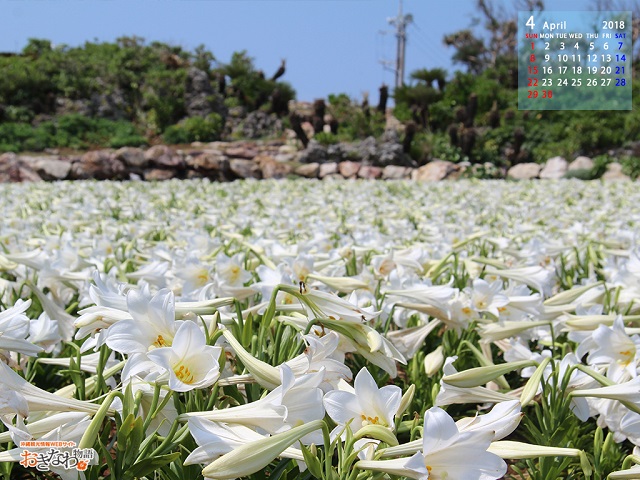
(253, 456)
(38, 428)
(294, 402)
(154, 273)
(319, 356)
(38, 399)
(322, 304)
(444, 449)
(502, 420)
(624, 392)
(616, 350)
(367, 405)
(487, 297)
(435, 295)
(153, 323)
(189, 361)
(536, 277)
(409, 340)
(217, 439)
(44, 332)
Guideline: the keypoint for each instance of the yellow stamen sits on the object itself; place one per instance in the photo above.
(160, 342)
(184, 374)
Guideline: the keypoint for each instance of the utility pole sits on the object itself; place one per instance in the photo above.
(401, 22)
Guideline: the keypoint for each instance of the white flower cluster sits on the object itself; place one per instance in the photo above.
(265, 319)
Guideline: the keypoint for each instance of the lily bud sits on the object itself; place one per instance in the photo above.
(378, 432)
(433, 361)
(531, 387)
(569, 296)
(475, 377)
(405, 401)
(266, 375)
(253, 456)
(518, 450)
(341, 284)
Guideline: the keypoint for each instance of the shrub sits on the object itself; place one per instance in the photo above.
(325, 138)
(195, 129)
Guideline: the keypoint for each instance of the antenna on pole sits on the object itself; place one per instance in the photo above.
(400, 22)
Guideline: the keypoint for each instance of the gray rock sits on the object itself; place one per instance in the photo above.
(28, 175)
(367, 151)
(308, 170)
(314, 153)
(48, 168)
(434, 171)
(161, 156)
(132, 157)
(524, 171)
(241, 152)
(328, 168)
(555, 168)
(98, 165)
(112, 106)
(155, 152)
(614, 172)
(209, 160)
(390, 135)
(9, 168)
(259, 124)
(338, 152)
(391, 154)
(200, 98)
(395, 172)
(286, 157)
(245, 168)
(271, 168)
(159, 174)
(581, 163)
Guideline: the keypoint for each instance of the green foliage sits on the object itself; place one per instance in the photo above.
(353, 122)
(250, 86)
(325, 138)
(631, 166)
(72, 131)
(428, 146)
(195, 129)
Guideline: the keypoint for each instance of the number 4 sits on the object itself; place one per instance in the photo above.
(530, 23)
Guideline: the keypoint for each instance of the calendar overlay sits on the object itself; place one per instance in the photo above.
(574, 60)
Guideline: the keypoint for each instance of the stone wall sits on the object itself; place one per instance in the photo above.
(228, 161)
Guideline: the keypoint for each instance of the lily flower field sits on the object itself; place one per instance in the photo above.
(320, 330)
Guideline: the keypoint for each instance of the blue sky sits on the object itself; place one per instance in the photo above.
(331, 46)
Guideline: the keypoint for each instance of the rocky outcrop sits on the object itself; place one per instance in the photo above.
(98, 165)
(132, 157)
(47, 168)
(258, 124)
(581, 163)
(614, 172)
(200, 98)
(13, 170)
(434, 171)
(555, 168)
(524, 171)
